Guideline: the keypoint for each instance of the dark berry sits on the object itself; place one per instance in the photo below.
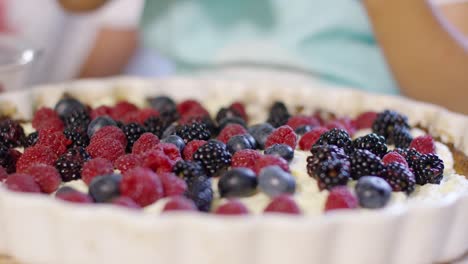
(11, 133)
(238, 182)
(281, 150)
(365, 163)
(411, 156)
(213, 157)
(157, 125)
(302, 130)
(188, 169)
(200, 192)
(77, 119)
(239, 142)
(162, 104)
(332, 173)
(399, 177)
(373, 192)
(194, 131)
(274, 181)
(70, 164)
(6, 159)
(170, 130)
(227, 113)
(175, 140)
(386, 122)
(337, 137)
(67, 105)
(77, 135)
(132, 132)
(429, 168)
(31, 139)
(98, 123)
(372, 142)
(401, 137)
(321, 154)
(278, 115)
(105, 188)
(260, 133)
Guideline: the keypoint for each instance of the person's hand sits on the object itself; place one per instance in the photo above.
(81, 5)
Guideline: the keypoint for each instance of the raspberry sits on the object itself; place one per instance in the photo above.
(46, 176)
(229, 131)
(107, 148)
(270, 160)
(146, 142)
(69, 165)
(278, 114)
(232, 207)
(283, 204)
(47, 118)
(157, 161)
(125, 202)
(140, 116)
(300, 120)
(341, 198)
(56, 141)
(245, 158)
(127, 162)
(96, 167)
(121, 109)
(3, 174)
(332, 173)
(282, 135)
(110, 132)
(213, 157)
(423, 144)
(142, 185)
(170, 150)
(309, 138)
(191, 148)
(74, 197)
(193, 131)
(172, 184)
(101, 111)
(21, 182)
(34, 155)
(190, 105)
(372, 142)
(365, 120)
(11, 133)
(240, 109)
(179, 203)
(394, 157)
(348, 124)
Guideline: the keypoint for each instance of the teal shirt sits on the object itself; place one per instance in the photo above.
(330, 38)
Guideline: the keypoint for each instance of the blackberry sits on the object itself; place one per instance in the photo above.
(399, 177)
(193, 131)
(322, 153)
(278, 115)
(411, 156)
(372, 142)
(157, 125)
(163, 104)
(199, 190)
(77, 135)
(6, 159)
(31, 139)
(11, 133)
(227, 113)
(213, 157)
(337, 137)
(332, 173)
(71, 162)
(429, 168)
(365, 163)
(132, 131)
(188, 169)
(401, 137)
(77, 118)
(386, 121)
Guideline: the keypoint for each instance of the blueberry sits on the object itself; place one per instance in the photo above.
(302, 130)
(98, 123)
(373, 192)
(274, 181)
(104, 188)
(282, 150)
(170, 130)
(238, 182)
(239, 142)
(260, 133)
(176, 140)
(162, 104)
(66, 106)
(231, 120)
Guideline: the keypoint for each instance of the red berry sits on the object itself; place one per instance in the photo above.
(239, 108)
(14, 157)
(186, 106)
(74, 197)
(47, 118)
(230, 131)
(3, 174)
(110, 132)
(145, 113)
(172, 184)
(56, 141)
(170, 150)
(101, 111)
(34, 155)
(423, 144)
(340, 198)
(107, 148)
(125, 202)
(142, 185)
(96, 167)
(300, 120)
(344, 123)
(282, 135)
(394, 157)
(147, 141)
(127, 162)
(270, 160)
(309, 138)
(191, 148)
(179, 203)
(157, 161)
(121, 109)
(232, 207)
(21, 182)
(365, 120)
(245, 158)
(46, 176)
(283, 204)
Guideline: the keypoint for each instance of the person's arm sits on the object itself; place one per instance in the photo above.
(427, 55)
